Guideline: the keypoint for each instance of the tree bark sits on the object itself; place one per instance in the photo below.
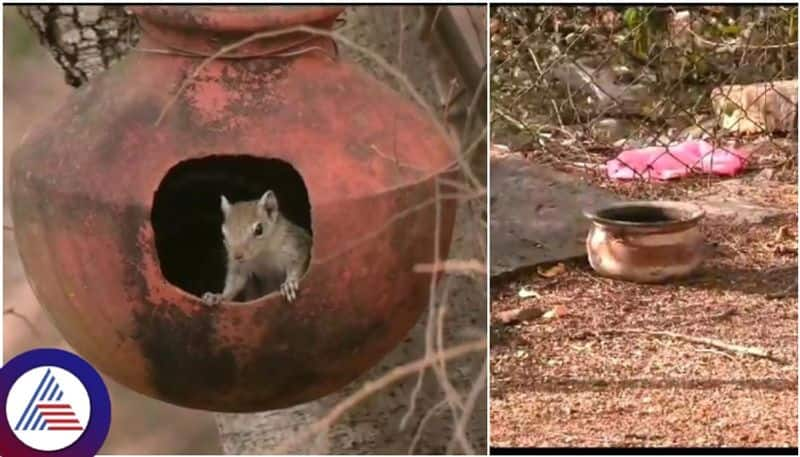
(84, 40)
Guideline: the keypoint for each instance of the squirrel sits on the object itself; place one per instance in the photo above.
(263, 248)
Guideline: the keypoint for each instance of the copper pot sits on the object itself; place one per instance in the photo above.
(645, 241)
(117, 216)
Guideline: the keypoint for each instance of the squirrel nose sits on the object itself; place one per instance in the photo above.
(238, 256)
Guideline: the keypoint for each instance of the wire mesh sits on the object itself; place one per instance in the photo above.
(574, 86)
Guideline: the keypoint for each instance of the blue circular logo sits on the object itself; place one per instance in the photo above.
(55, 404)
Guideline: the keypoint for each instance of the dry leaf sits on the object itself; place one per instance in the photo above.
(785, 248)
(783, 232)
(527, 292)
(517, 315)
(557, 311)
(551, 272)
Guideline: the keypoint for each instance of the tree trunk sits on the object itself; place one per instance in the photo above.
(84, 40)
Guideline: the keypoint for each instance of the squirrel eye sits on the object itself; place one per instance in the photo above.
(258, 230)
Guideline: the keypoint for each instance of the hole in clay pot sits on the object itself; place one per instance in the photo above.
(643, 214)
(187, 216)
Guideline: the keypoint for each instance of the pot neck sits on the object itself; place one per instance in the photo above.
(202, 30)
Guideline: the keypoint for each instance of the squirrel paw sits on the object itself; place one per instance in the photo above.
(212, 299)
(289, 290)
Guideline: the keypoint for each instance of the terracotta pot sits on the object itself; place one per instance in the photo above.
(647, 242)
(117, 218)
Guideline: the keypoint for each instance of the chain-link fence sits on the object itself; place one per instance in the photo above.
(575, 86)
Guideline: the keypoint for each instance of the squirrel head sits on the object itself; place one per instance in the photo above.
(248, 226)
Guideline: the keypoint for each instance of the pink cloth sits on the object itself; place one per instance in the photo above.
(656, 163)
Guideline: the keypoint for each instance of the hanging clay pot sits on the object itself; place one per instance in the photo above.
(117, 216)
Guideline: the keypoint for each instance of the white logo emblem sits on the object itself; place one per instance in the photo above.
(48, 408)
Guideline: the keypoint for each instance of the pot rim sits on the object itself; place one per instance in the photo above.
(693, 213)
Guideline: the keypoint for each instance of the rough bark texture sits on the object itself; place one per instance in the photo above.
(86, 40)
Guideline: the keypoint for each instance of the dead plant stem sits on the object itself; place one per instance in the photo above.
(371, 387)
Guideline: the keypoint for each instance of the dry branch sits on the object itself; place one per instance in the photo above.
(377, 385)
(13, 312)
(466, 267)
(339, 38)
(428, 415)
(712, 342)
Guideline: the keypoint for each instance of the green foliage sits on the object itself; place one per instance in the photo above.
(645, 25)
(730, 30)
(635, 20)
(674, 60)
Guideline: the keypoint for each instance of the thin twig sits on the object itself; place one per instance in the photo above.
(719, 344)
(428, 415)
(13, 312)
(397, 162)
(535, 61)
(450, 98)
(440, 369)
(402, 37)
(790, 291)
(338, 37)
(715, 351)
(371, 387)
(412, 403)
(466, 267)
(389, 223)
(510, 119)
(733, 45)
(472, 399)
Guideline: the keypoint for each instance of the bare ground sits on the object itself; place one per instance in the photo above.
(565, 382)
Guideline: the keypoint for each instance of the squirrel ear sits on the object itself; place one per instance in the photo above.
(225, 204)
(268, 203)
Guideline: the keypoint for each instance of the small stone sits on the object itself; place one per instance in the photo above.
(610, 130)
(66, 10)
